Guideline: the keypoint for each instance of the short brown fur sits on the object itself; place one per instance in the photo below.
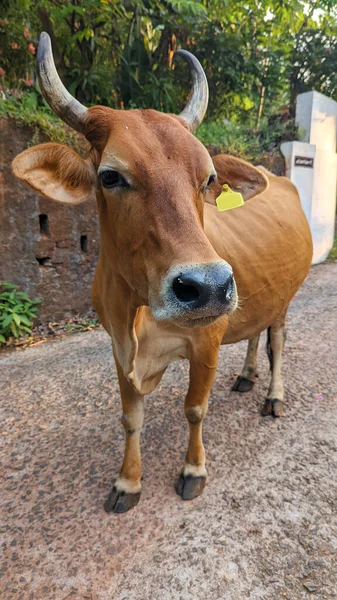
(168, 218)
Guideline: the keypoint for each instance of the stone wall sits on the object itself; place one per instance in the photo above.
(50, 250)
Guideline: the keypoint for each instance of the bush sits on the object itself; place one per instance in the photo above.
(28, 108)
(16, 312)
(245, 141)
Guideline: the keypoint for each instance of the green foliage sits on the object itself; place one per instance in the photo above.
(244, 141)
(16, 312)
(257, 54)
(333, 254)
(85, 325)
(46, 126)
(17, 41)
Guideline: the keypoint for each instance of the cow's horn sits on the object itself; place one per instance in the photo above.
(60, 101)
(196, 107)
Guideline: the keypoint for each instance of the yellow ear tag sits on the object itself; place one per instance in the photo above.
(228, 199)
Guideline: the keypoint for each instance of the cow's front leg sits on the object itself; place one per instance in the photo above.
(275, 344)
(193, 476)
(125, 493)
(246, 379)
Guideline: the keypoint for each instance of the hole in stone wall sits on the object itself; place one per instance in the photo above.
(44, 261)
(84, 243)
(44, 225)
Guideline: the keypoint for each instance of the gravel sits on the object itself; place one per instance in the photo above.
(265, 527)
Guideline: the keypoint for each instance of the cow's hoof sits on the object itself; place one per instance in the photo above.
(120, 502)
(272, 406)
(242, 384)
(189, 487)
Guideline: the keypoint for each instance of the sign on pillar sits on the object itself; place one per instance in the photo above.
(311, 164)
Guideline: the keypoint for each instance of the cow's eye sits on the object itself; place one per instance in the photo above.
(211, 179)
(111, 179)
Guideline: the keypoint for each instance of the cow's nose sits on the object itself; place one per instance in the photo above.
(204, 286)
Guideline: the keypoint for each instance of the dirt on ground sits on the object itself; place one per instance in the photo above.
(265, 527)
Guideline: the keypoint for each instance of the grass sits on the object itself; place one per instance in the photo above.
(333, 254)
(45, 125)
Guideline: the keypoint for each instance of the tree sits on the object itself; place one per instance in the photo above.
(257, 54)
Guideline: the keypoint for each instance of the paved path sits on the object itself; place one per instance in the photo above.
(265, 527)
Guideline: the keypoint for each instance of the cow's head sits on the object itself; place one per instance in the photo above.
(151, 177)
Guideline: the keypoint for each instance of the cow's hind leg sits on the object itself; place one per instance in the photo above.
(276, 336)
(246, 379)
(193, 476)
(125, 493)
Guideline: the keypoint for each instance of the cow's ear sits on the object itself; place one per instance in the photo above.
(57, 172)
(239, 175)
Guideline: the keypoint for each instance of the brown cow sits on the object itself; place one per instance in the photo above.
(164, 286)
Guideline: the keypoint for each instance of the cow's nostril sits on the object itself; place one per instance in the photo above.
(229, 288)
(185, 291)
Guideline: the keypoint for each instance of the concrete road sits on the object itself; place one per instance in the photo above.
(265, 527)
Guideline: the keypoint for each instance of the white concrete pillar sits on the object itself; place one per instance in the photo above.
(315, 118)
(311, 165)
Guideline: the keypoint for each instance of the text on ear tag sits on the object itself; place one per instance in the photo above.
(228, 199)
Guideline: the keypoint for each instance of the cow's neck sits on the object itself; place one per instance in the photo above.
(120, 306)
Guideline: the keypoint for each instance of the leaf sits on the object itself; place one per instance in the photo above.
(16, 310)
(16, 318)
(27, 329)
(7, 321)
(7, 286)
(25, 320)
(15, 329)
(2, 339)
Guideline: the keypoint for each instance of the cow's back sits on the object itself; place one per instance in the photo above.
(268, 243)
